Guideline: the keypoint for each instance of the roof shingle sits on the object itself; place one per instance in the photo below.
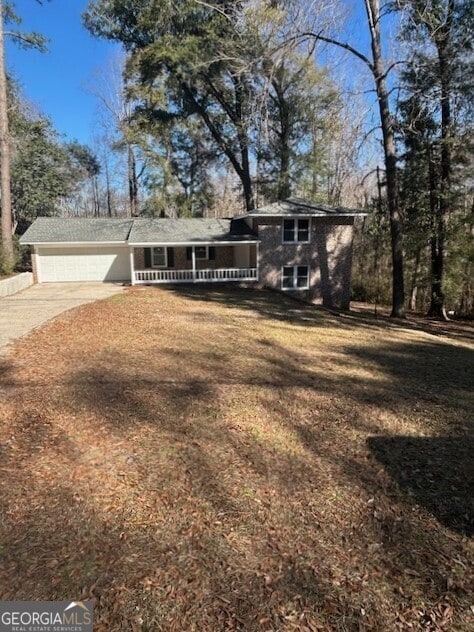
(77, 230)
(135, 231)
(186, 230)
(299, 206)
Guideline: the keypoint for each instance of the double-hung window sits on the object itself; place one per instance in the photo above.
(295, 278)
(295, 231)
(201, 252)
(158, 257)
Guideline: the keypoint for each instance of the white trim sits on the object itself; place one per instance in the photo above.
(213, 275)
(291, 215)
(206, 258)
(175, 244)
(295, 230)
(257, 260)
(166, 257)
(145, 244)
(193, 259)
(132, 265)
(295, 288)
(37, 264)
(63, 244)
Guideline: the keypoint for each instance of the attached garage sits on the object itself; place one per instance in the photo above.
(93, 263)
(79, 249)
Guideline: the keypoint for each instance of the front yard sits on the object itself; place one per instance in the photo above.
(210, 459)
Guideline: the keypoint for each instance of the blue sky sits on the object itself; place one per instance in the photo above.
(55, 81)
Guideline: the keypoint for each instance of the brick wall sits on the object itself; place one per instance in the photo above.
(328, 256)
(139, 258)
(224, 259)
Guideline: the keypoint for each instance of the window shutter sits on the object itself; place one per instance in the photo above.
(147, 257)
(212, 253)
(170, 252)
(189, 253)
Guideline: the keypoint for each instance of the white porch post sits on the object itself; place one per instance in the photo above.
(132, 265)
(257, 262)
(193, 256)
(36, 256)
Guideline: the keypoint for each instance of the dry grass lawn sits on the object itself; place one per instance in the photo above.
(212, 459)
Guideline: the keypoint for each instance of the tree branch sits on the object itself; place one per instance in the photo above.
(392, 66)
(344, 45)
(32, 40)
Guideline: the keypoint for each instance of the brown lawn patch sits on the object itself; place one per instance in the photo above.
(211, 459)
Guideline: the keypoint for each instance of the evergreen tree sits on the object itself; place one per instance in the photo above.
(439, 96)
(34, 40)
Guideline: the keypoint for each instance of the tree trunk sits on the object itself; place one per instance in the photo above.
(107, 184)
(398, 290)
(414, 280)
(242, 134)
(242, 167)
(466, 303)
(437, 309)
(5, 187)
(248, 190)
(95, 195)
(284, 186)
(442, 39)
(436, 247)
(132, 182)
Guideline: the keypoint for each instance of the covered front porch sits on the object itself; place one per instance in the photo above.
(194, 263)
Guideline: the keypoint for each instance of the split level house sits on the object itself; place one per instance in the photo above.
(296, 246)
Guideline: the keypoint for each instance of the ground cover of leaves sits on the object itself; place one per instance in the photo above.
(228, 459)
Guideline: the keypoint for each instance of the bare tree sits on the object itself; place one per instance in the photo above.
(109, 87)
(379, 72)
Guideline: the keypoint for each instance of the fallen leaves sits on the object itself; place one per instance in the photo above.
(197, 461)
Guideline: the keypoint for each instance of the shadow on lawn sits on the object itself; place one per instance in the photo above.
(5, 372)
(212, 556)
(431, 365)
(265, 303)
(279, 306)
(182, 567)
(406, 539)
(436, 472)
(160, 578)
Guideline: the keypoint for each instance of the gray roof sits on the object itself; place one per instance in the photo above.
(299, 206)
(63, 230)
(186, 230)
(136, 231)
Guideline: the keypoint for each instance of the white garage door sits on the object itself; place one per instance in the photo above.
(84, 264)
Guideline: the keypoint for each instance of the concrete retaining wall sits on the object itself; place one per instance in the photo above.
(16, 283)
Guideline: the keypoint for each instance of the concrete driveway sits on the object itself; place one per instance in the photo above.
(30, 308)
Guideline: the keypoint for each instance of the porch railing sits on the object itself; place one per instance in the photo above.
(195, 276)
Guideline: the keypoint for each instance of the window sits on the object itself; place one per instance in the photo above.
(202, 252)
(295, 278)
(295, 231)
(158, 257)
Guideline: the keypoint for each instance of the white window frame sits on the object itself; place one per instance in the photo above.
(295, 287)
(296, 221)
(153, 264)
(206, 258)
